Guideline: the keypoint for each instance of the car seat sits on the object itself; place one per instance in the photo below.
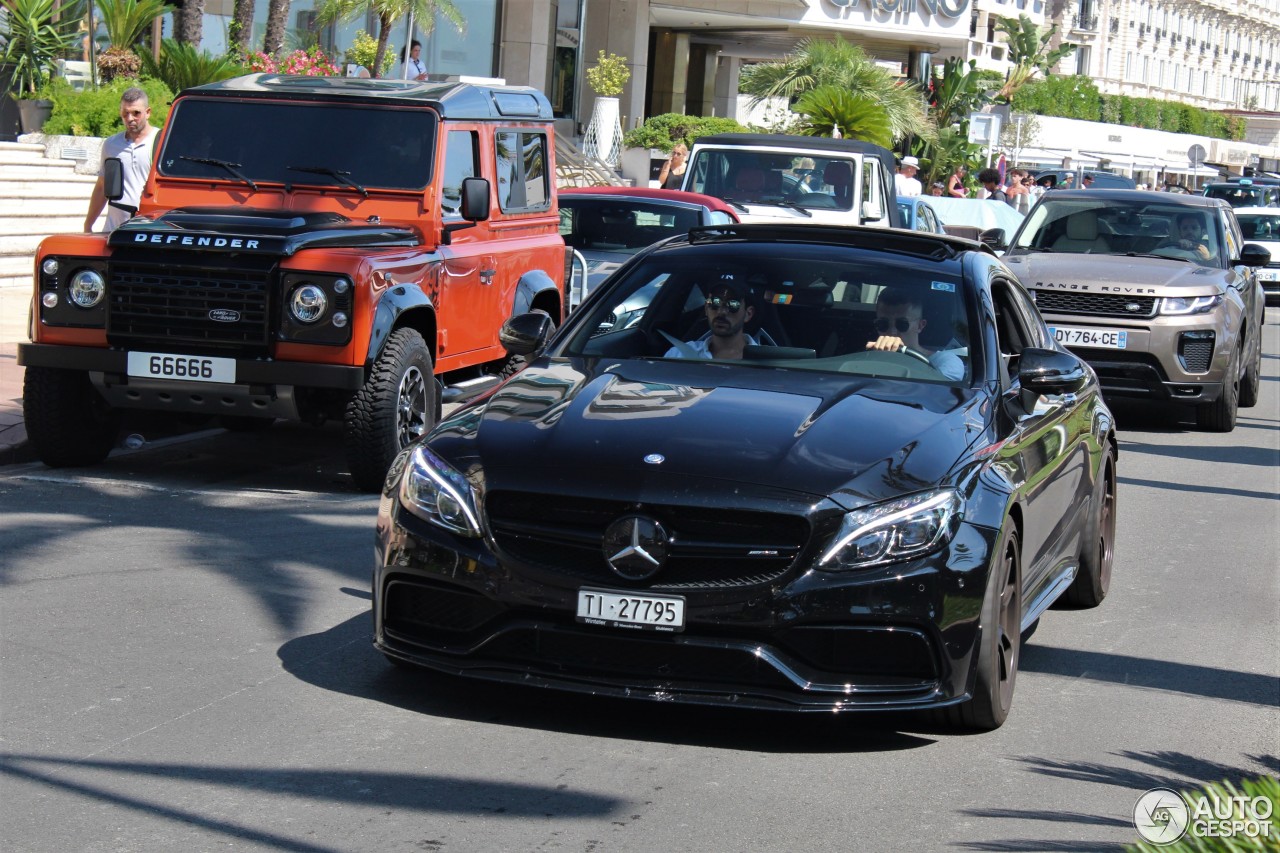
(840, 177)
(1082, 234)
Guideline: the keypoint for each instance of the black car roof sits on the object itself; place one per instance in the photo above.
(456, 100)
(902, 241)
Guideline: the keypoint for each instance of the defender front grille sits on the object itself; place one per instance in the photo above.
(710, 548)
(1096, 304)
(168, 304)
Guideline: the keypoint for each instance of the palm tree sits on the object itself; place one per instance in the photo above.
(189, 26)
(389, 11)
(241, 27)
(125, 22)
(820, 62)
(1029, 52)
(277, 17)
(859, 116)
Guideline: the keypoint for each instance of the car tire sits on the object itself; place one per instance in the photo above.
(1097, 553)
(1250, 386)
(1220, 415)
(999, 649)
(398, 404)
(68, 423)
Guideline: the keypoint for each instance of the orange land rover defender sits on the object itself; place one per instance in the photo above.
(306, 248)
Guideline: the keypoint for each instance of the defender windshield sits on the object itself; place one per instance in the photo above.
(373, 147)
(749, 176)
(1123, 227)
(812, 307)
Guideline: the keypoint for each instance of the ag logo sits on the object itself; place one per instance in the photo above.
(1160, 816)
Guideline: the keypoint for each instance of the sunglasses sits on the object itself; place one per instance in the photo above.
(733, 306)
(901, 324)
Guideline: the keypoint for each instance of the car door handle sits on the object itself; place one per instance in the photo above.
(486, 276)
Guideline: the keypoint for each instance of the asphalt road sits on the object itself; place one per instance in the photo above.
(185, 665)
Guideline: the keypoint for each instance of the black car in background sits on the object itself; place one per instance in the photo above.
(814, 527)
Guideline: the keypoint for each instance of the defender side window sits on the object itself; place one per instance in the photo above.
(523, 178)
(461, 160)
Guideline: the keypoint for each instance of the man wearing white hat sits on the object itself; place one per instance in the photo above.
(904, 180)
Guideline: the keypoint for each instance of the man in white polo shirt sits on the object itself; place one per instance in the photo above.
(133, 146)
(905, 181)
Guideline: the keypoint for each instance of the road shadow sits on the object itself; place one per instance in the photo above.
(343, 660)
(1199, 489)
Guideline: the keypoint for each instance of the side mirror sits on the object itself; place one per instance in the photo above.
(1051, 371)
(474, 207)
(113, 179)
(526, 334)
(1253, 255)
(993, 237)
(871, 211)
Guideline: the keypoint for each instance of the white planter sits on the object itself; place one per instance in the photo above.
(603, 139)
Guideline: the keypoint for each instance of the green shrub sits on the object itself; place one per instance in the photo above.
(96, 112)
(609, 75)
(664, 131)
(182, 66)
(364, 49)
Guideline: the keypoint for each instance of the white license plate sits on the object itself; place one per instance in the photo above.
(1101, 338)
(631, 610)
(188, 368)
(1269, 275)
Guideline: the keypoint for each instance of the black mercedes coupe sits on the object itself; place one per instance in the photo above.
(783, 467)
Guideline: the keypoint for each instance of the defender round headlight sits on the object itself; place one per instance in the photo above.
(50, 266)
(308, 303)
(86, 288)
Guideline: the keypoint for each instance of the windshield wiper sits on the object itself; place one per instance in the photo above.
(337, 174)
(736, 204)
(1156, 255)
(232, 168)
(791, 205)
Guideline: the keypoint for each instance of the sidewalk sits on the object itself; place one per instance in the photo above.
(14, 302)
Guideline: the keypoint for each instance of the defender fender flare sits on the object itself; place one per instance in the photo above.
(395, 303)
(531, 286)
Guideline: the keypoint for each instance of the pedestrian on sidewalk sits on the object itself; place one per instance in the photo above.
(133, 146)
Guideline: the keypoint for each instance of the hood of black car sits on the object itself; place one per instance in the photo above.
(801, 431)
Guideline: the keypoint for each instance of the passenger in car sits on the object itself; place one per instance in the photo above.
(729, 309)
(899, 322)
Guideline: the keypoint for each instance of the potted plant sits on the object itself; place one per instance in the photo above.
(37, 34)
(607, 78)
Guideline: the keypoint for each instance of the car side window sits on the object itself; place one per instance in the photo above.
(461, 160)
(1014, 331)
(1231, 230)
(523, 182)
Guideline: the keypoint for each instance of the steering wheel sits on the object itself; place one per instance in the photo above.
(906, 350)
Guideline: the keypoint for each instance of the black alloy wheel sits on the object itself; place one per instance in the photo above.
(1251, 385)
(1220, 415)
(1097, 553)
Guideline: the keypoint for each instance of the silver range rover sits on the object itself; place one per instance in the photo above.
(1158, 292)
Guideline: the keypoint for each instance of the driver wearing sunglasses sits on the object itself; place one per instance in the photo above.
(899, 322)
(728, 312)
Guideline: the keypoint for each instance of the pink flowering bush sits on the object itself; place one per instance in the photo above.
(307, 63)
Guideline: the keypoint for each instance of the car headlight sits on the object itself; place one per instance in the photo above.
(308, 303)
(86, 288)
(434, 491)
(895, 530)
(1189, 304)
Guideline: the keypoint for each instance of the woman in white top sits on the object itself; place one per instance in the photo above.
(413, 67)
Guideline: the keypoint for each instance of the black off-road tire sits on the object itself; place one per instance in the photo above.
(1000, 647)
(398, 404)
(1097, 553)
(67, 421)
(1220, 415)
(1250, 385)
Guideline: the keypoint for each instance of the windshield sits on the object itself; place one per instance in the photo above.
(802, 307)
(626, 227)
(1244, 195)
(754, 176)
(1260, 226)
(372, 147)
(1123, 227)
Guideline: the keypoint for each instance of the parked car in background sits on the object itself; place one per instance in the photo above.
(770, 177)
(918, 214)
(817, 526)
(1158, 292)
(992, 222)
(1261, 225)
(1245, 193)
(608, 225)
(1074, 179)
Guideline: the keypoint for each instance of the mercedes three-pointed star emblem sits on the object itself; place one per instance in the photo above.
(636, 547)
